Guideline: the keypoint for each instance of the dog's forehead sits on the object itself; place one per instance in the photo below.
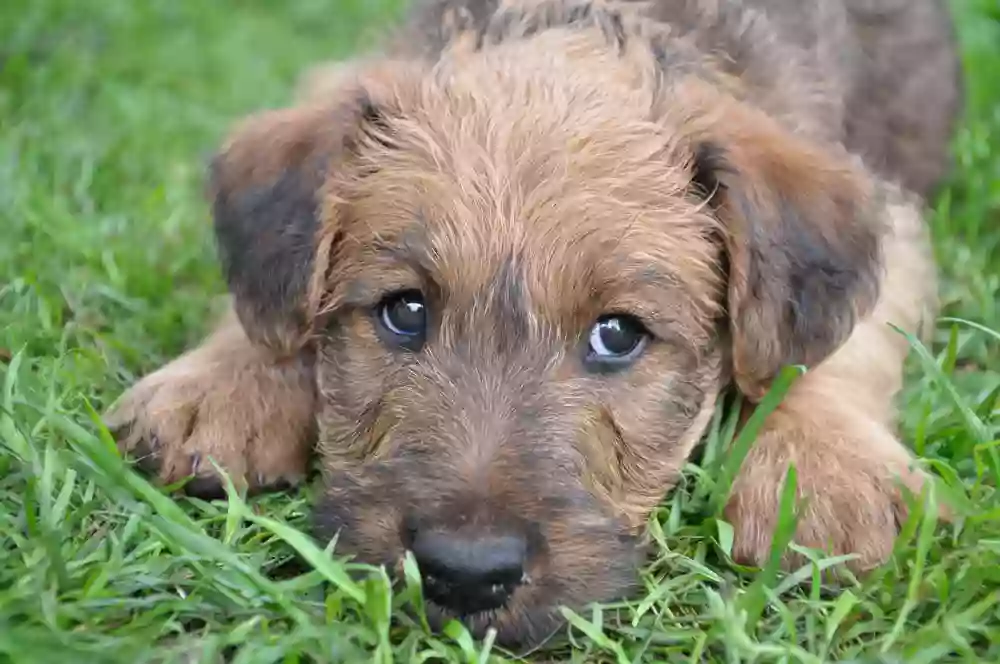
(487, 174)
(565, 234)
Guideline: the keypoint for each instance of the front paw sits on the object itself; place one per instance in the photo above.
(851, 499)
(252, 420)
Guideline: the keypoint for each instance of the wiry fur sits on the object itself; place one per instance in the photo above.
(717, 168)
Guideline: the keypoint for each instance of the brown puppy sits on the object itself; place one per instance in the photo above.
(499, 273)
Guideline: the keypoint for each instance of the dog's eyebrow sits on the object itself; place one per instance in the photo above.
(399, 267)
(629, 273)
(409, 248)
(367, 291)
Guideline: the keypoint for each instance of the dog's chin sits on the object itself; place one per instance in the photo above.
(518, 630)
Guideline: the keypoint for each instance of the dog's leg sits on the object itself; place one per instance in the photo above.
(229, 400)
(836, 425)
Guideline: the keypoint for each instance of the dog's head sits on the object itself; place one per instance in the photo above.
(526, 272)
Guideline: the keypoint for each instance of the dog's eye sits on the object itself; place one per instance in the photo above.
(403, 316)
(616, 339)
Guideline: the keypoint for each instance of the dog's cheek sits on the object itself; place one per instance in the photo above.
(637, 438)
(589, 558)
(362, 512)
(352, 369)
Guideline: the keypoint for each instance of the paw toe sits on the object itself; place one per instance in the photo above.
(205, 487)
(142, 447)
(145, 451)
(272, 484)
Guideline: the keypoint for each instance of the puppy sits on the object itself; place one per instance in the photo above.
(498, 272)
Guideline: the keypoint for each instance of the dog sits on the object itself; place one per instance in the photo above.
(496, 273)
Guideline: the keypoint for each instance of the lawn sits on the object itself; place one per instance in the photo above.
(108, 110)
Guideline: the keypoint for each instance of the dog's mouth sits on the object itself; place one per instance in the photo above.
(482, 601)
(481, 617)
(523, 630)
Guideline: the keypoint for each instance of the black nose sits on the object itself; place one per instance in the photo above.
(469, 574)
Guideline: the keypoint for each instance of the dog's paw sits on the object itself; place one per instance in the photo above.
(252, 418)
(850, 497)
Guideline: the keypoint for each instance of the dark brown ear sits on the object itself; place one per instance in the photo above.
(264, 185)
(802, 234)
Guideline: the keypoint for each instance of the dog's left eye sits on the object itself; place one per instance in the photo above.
(403, 316)
(616, 339)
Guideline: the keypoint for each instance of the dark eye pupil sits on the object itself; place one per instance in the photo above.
(619, 335)
(408, 315)
(405, 314)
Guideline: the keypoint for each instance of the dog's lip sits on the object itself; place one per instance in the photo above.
(487, 615)
(478, 623)
(481, 623)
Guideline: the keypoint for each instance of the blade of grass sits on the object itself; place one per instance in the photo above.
(737, 453)
(755, 598)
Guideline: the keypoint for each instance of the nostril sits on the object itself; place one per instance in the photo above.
(469, 574)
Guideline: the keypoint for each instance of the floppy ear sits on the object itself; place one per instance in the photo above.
(265, 186)
(802, 235)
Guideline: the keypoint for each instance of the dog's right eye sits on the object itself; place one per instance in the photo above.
(403, 318)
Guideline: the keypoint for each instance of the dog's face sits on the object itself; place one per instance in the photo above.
(525, 275)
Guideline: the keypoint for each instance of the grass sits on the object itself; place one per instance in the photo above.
(107, 111)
